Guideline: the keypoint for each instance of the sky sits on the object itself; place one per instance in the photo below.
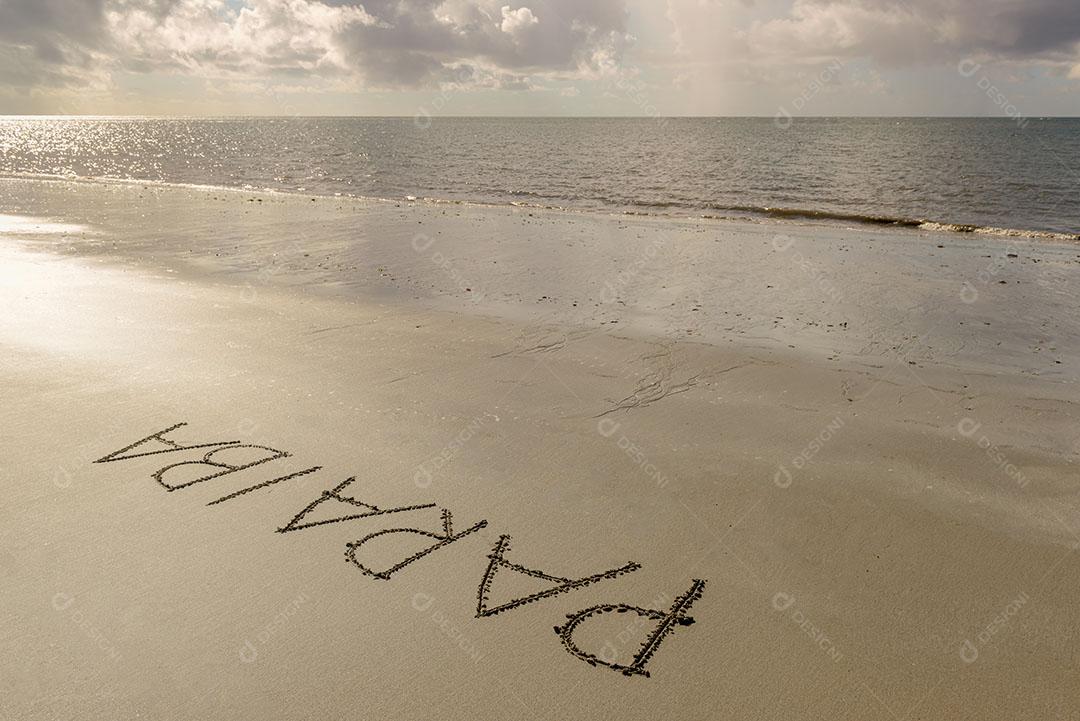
(540, 57)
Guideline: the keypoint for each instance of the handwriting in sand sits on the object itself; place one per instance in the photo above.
(351, 508)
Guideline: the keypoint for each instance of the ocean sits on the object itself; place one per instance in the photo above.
(991, 175)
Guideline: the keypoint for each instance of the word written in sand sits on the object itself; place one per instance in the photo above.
(213, 465)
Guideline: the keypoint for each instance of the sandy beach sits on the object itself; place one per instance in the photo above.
(862, 441)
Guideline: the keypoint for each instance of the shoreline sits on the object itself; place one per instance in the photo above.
(801, 217)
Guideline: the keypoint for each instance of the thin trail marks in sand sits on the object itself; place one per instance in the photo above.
(545, 338)
(651, 390)
(656, 385)
(317, 331)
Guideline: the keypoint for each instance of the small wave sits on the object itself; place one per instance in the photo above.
(884, 220)
(843, 217)
(990, 230)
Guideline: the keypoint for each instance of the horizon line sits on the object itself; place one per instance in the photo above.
(11, 116)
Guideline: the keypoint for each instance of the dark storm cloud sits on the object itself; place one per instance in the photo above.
(1030, 28)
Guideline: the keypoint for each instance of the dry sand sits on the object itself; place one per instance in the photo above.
(871, 464)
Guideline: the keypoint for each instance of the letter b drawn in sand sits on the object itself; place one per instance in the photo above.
(228, 467)
(668, 621)
(564, 584)
(444, 539)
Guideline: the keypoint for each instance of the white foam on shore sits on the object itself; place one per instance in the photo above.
(989, 230)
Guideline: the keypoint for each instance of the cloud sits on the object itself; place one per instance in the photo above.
(892, 33)
(210, 38)
(378, 43)
(919, 31)
(698, 55)
(516, 21)
(422, 42)
(750, 55)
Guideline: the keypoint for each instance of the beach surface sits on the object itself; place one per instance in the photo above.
(849, 454)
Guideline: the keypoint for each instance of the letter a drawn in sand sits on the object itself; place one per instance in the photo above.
(564, 584)
(173, 446)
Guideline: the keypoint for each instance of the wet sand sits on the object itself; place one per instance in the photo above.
(863, 443)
